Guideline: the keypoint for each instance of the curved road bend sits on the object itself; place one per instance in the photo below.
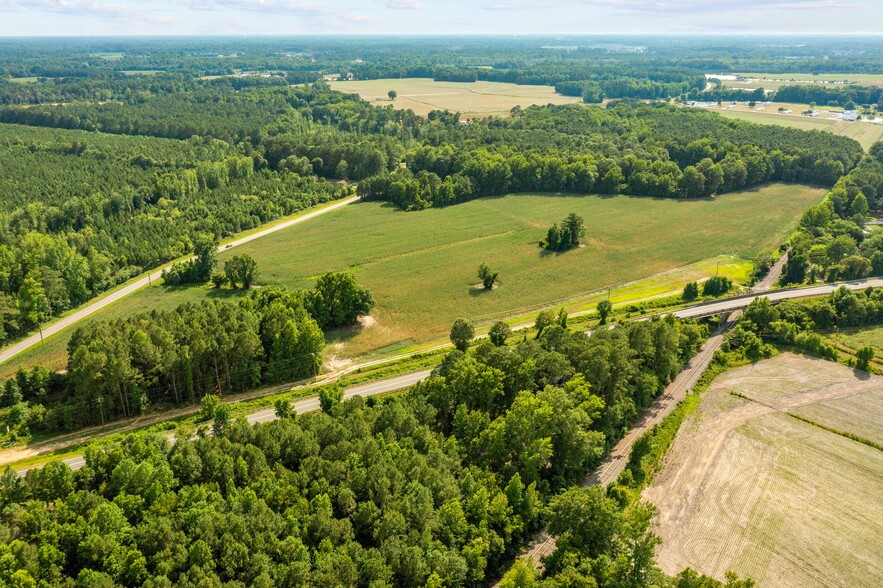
(543, 544)
(304, 405)
(94, 307)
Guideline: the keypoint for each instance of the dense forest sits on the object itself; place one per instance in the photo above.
(439, 487)
(831, 243)
(81, 212)
(123, 368)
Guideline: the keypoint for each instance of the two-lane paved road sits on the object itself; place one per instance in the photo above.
(112, 297)
(304, 405)
(740, 302)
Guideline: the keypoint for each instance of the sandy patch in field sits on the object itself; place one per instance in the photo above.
(748, 488)
(367, 321)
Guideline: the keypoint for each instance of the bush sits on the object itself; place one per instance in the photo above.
(717, 286)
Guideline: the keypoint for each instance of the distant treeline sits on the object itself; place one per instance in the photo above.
(635, 149)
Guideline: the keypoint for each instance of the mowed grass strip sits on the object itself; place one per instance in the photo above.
(423, 95)
(422, 266)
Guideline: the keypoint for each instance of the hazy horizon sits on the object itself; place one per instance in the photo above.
(30, 18)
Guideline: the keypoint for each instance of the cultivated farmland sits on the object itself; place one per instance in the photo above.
(471, 99)
(421, 266)
(751, 488)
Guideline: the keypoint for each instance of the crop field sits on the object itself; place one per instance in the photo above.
(750, 488)
(864, 132)
(857, 338)
(421, 266)
(770, 81)
(471, 99)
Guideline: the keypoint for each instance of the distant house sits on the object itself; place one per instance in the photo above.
(850, 115)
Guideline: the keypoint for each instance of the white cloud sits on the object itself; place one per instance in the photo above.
(100, 9)
(266, 6)
(400, 4)
(663, 7)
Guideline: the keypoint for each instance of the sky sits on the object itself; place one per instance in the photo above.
(295, 17)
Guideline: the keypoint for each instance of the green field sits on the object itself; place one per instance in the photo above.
(855, 339)
(421, 266)
(865, 133)
(471, 99)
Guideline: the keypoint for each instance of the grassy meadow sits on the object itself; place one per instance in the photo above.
(421, 266)
(469, 98)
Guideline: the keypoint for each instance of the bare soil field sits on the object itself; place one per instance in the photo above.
(749, 488)
(472, 99)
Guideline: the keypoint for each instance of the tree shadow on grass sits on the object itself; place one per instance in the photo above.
(480, 290)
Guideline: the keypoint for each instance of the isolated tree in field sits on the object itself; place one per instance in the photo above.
(338, 300)
(488, 278)
(462, 333)
(499, 332)
(605, 307)
(330, 396)
(567, 235)
(863, 357)
(691, 292)
(392, 94)
(575, 228)
(241, 269)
